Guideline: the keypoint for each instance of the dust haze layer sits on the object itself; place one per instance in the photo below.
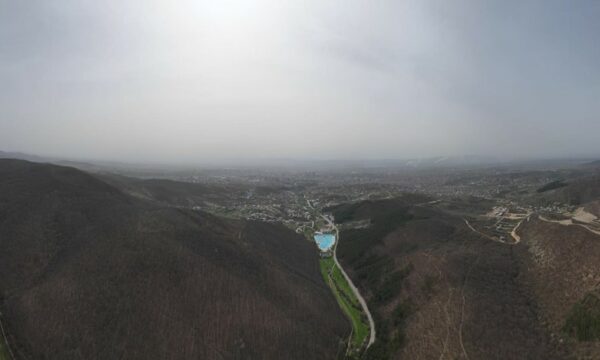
(193, 80)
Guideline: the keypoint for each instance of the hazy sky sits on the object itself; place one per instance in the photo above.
(191, 80)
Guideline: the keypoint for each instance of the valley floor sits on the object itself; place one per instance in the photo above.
(4, 354)
(348, 302)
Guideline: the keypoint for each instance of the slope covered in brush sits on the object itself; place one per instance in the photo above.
(87, 272)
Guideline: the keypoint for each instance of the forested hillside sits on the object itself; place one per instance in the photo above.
(87, 272)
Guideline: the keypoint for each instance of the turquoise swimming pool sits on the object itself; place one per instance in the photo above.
(325, 241)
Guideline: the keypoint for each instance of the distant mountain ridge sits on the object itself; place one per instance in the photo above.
(593, 163)
(307, 164)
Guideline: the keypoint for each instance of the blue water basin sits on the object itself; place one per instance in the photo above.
(325, 241)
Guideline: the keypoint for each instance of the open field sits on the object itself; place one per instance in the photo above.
(3, 352)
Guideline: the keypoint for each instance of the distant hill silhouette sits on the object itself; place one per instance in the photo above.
(175, 193)
(23, 156)
(89, 272)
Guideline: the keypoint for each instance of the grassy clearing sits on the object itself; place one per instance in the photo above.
(341, 283)
(347, 301)
(3, 351)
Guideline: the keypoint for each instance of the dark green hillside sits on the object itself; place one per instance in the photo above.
(370, 209)
(552, 186)
(87, 272)
(577, 192)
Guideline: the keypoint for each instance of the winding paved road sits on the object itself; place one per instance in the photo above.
(361, 300)
(569, 222)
